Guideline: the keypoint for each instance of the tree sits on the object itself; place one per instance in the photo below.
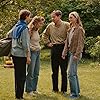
(89, 11)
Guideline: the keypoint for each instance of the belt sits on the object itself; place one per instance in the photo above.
(58, 44)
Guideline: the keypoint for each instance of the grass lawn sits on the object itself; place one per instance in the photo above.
(89, 77)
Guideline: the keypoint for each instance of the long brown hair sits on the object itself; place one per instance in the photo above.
(34, 21)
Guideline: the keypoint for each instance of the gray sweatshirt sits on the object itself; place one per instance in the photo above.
(21, 45)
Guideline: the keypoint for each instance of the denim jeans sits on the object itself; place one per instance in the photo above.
(72, 75)
(33, 72)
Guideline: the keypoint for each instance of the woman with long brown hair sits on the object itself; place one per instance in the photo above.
(33, 68)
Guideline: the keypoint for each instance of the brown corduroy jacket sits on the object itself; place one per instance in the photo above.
(77, 42)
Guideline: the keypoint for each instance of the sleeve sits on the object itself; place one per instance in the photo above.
(67, 26)
(80, 42)
(10, 33)
(46, 35)
(65, 50)
(26, 40)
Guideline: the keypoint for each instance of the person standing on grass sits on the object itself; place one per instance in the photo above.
(74, 45)
(54, 36)
(34, 66)
(20, 51)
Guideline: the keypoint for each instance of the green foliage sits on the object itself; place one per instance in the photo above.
(95, 50)
(1, 60)
(88, 10)
(89, 43)
(92, 46)
(45, 54)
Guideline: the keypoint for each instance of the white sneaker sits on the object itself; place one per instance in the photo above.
(30, 93)
(36, 92)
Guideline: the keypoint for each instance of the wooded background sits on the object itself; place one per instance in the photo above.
(89, 11)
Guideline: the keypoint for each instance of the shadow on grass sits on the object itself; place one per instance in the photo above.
(42, 97)
(83, 98)
(55, 97)
(46, 97)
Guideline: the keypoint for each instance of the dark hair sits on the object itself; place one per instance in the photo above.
(23, 13)
(57, 12)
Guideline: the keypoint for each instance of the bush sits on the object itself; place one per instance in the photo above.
(92, 46)
(95, 50)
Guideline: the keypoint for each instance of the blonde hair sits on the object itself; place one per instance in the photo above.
(76, 15)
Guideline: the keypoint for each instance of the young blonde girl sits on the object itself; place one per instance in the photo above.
(74, 45)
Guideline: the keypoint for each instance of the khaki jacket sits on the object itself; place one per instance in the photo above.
(55, 34)
(77, 42)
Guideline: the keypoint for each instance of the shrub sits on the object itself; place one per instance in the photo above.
(92, 46)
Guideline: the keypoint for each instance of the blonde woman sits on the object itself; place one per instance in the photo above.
(33, 68)
(74, 45)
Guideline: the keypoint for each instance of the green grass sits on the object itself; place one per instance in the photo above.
(89, 77)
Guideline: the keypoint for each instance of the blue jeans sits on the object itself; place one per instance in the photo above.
(33, 72)
(72, 75)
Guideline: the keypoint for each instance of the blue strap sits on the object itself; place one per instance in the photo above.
(19, 27)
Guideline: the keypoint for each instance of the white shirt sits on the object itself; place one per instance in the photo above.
(70, 35)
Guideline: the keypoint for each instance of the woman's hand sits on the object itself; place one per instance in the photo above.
(28, 60)
(49, 44)
(63, 55)
(75, 58)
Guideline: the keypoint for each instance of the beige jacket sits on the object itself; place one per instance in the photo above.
(77, 42)
(56, 35)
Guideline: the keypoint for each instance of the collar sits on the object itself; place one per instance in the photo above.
(58, 24)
